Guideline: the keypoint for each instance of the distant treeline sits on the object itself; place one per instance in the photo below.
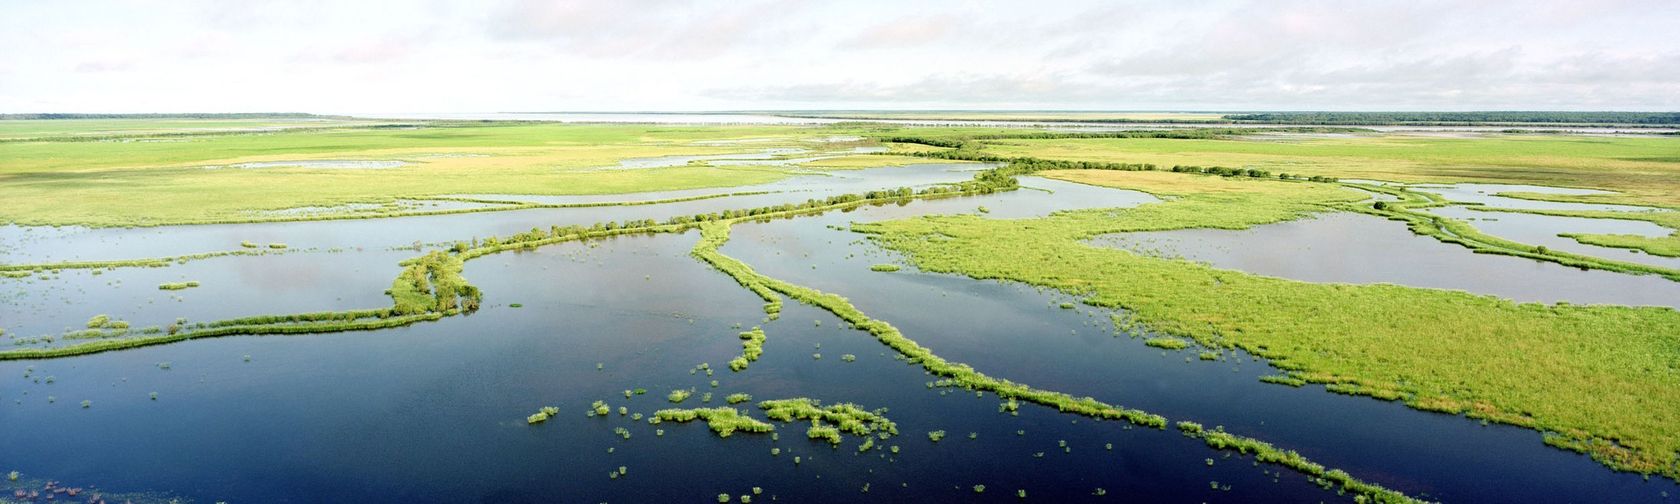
(238, 115)
(1374, 118)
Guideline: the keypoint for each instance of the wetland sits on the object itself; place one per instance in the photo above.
(813, 310)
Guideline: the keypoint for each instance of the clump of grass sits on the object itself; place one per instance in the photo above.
(542, 415)
(678, 396)
(823, 432)
(935, 436)
(172, 286)
(737, 398)
(248, 244)
(1283, 380)
(723, 420)
(1167, 342)
(752, 346)
(885, 268)
(848, 358)
(98, 321)
(845, 417)
(277, 245)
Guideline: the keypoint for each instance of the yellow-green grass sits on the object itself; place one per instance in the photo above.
(1599, 379)
(1645, 169)
(139, 183)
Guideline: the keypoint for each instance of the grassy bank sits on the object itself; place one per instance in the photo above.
(1598, 379)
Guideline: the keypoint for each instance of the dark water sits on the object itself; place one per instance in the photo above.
(435, 412)
(1358, 248)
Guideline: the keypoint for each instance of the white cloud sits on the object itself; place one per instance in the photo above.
(459, 55)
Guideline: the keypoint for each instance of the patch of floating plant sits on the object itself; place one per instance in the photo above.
(828, 423)
(332, 164)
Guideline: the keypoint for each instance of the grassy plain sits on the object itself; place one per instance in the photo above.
(19, 129)
(173, 180)
(1599, 379)
(1646, 169)
(1017, 115)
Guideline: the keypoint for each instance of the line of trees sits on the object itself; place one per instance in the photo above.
(1374, 118)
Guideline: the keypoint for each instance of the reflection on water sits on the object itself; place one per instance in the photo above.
(1487, 194)
(1358, 248)
(1544, 230)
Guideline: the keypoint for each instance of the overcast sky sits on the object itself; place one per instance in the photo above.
(569, 55)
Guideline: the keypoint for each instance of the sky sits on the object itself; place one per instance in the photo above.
(667, 55)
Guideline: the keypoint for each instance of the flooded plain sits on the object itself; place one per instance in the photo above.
(436, 411)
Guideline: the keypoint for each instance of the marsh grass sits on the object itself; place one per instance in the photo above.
(725, 421)
(752, 346)
(173, 286)
(1443, 351)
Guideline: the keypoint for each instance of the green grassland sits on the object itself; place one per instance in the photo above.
(1017, 115)
(1645, 169)
(1598, 379)
(171, 181)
